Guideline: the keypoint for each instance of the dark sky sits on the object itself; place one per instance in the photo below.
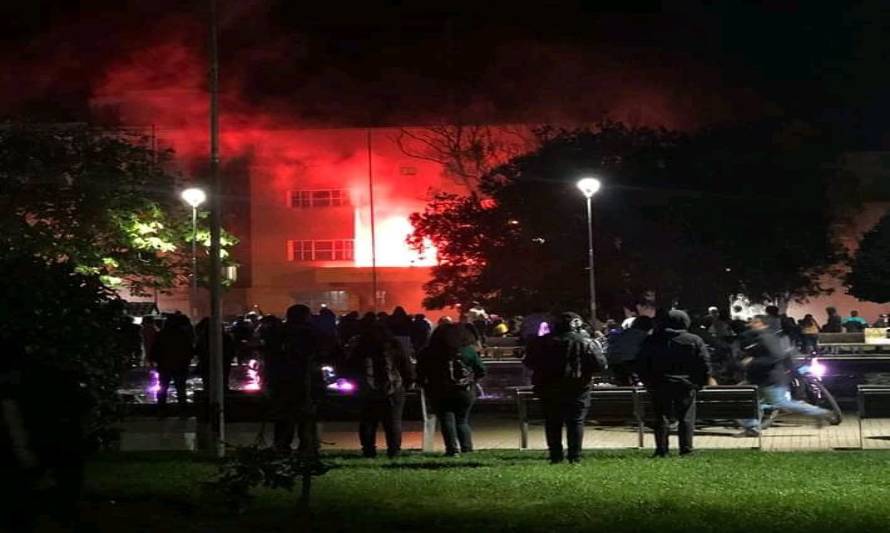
(681, 63)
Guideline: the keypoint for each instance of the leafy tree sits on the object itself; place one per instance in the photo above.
(682, 217)
(99, 199)
(64, 332)
(869, 276)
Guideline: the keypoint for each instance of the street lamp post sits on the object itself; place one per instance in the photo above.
(588, 187)
(194, 197)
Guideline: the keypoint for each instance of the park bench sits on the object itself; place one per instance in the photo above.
(244, 407)
(608, 405)
(629, 405)
(873, 402)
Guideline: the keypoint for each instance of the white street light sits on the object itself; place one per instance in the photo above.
(194, 197)
(588, 187)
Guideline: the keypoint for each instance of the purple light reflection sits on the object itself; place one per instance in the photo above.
(253, 376)
(342, 385)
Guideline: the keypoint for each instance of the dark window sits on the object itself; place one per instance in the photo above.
(319, 198)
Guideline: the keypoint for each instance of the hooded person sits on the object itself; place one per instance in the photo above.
(674, 364)
(298, 383)
(562, 364)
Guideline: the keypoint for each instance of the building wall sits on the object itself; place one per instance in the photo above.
(338, 160)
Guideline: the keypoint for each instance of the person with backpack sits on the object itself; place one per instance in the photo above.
(448, 369)
(384, 372)
(562, 364)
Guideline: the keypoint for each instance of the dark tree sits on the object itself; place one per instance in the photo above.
(869, 276)
(681, 218)
(99, 199)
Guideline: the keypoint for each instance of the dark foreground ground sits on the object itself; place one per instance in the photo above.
(513, 491)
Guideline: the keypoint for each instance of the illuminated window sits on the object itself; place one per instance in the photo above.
(334, 300)
(319, 198)
(321, 250)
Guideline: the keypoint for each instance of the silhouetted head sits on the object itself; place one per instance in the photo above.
(643, 323)
(298, 314)
(854, 313)
(759, 322)
(568, 322)
(399, 312)
(772, 310)
(831, 311)
(419, 317)
(678, 319)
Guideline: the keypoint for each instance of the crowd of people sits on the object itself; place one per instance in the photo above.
(386, 354)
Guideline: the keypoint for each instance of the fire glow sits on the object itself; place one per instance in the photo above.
(165, 86)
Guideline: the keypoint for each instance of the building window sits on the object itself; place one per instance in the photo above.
(319, 198)
(334, 300)
(321, 250)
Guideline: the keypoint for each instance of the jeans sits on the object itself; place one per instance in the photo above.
(179, 378)
(779, 397)
(564, 408)
(388, 411)
(677, 399)
(809, 343)
(453, 410)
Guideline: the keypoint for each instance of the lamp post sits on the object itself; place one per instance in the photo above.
(588, 187)
(194, 197)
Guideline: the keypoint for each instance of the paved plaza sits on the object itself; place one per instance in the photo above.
(501, 431)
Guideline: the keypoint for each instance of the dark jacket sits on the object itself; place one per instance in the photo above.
(564, 359)
(625, 347)
(833, 325)
(296, 374)
(172, 349)
(380, 364)
(674, 355)
(769, 363)
(433, 358)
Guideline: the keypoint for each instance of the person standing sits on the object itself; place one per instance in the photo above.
(171, 354)
(297, 385)
(855, 324)
(833, 325)
(766, 363)
(149, 334)
(562, 364)
(202, 350)
(448, 369)
(384, 372)
(674, 364)
(622, 352)
(421, 329)
(809, 334)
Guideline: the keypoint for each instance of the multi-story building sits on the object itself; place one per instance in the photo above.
(300, 201)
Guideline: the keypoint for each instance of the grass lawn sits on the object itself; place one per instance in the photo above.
(512, 491)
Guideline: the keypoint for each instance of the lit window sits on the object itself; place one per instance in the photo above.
(319, 198)
(321, 250)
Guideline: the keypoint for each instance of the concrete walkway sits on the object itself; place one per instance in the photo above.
(500, 431)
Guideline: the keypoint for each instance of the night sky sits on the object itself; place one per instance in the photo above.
(678, 64)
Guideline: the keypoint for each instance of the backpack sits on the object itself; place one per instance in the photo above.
(381, 377)
(455, 373)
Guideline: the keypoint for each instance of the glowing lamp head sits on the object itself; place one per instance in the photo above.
(588, 186)
(194, 197)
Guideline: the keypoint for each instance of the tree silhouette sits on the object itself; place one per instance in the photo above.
(869, 276)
